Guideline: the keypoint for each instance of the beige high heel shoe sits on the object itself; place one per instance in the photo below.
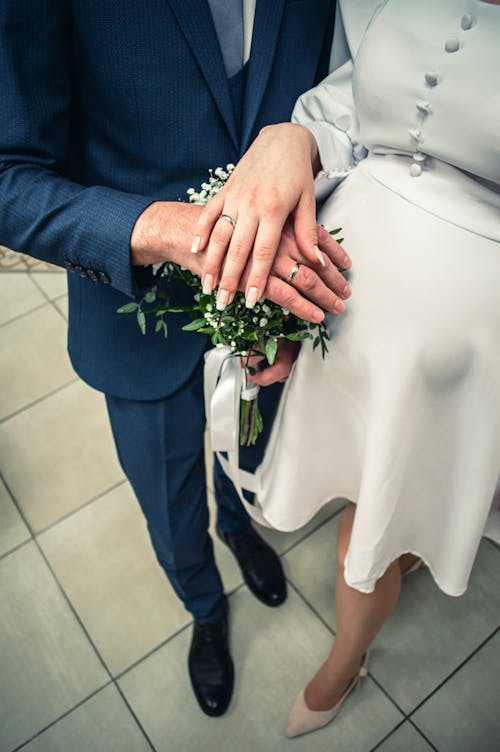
(302, 720)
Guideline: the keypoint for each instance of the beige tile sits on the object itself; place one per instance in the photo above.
(13, 531)
(311, 566)
(58, 454)
(104, 560)
(34, 360)
(48, 664)
(405, 739)
(101, 724)
(18, 295)
(53, 283)
(62, 305)
(275, 652)
(428, 635)
(464, 714)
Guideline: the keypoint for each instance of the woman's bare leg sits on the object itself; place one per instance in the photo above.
(359, 618)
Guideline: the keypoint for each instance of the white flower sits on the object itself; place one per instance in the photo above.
(209, 307)
(262, 323)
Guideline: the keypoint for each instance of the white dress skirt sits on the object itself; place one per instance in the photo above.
(402, 416)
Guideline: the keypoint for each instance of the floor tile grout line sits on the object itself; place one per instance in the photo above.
(168, 639)
(58, 310)
(39, 399)
(85, 504)
(39, 286)
(388, 735)
(152, 651)
(16, 548)
(24, 313)
(89, 638)
(64, 715)
(419, 731)
(310, 607)
(330, 629)
(133, 714)
(311, 532)
(73, 609)
(16, 504)
(455, 671)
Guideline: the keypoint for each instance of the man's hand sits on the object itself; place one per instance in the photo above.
(273, 180)
(280, 370)
(163, 232)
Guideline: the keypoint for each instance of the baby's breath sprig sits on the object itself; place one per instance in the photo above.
(245, 331)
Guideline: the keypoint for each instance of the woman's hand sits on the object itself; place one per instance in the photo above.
(273, 180)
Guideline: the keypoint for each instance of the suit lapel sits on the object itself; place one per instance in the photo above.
(265, 36)
(196, 22)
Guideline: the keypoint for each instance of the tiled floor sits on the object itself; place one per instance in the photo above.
(93, 642)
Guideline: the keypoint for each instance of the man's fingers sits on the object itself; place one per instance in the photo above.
(286, 296)
(333, 250)
(310, 284)
(306, 229)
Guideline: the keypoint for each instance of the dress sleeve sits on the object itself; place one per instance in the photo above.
(328, 110)
(42, 212)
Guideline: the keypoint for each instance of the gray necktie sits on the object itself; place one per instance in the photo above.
(228, 22)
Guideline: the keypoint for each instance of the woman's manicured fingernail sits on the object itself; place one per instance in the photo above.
(347, 262)
(196, 244)
(319, 255)
(318, 316)
(339, 306)
(222, 300)
(208, 284)
(346, 292)
(252, 297)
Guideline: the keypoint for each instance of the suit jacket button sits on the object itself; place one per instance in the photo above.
(103, 277)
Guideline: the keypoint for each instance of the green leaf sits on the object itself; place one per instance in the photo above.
(271, 350)
(252, 371)
(128, 308)
(141, 320)
(150, 296)
(316, 343)
(339, 240)
(194, 325)
(335, 232)
(159, 325)
(296, 336)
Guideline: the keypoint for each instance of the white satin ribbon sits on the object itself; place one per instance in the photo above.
(223, 382)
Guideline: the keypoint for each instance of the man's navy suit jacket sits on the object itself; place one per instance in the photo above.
(108, 105)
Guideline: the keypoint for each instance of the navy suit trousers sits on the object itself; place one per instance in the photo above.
(161, 449)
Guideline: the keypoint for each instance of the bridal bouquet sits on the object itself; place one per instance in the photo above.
(245, 332)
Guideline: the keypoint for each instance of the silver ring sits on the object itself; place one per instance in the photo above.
(228, 219)
(293, 272)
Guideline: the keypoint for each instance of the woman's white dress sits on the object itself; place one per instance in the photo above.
(403, 415)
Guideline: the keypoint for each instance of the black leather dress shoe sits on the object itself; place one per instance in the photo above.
(211, 667)
(259, 564)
